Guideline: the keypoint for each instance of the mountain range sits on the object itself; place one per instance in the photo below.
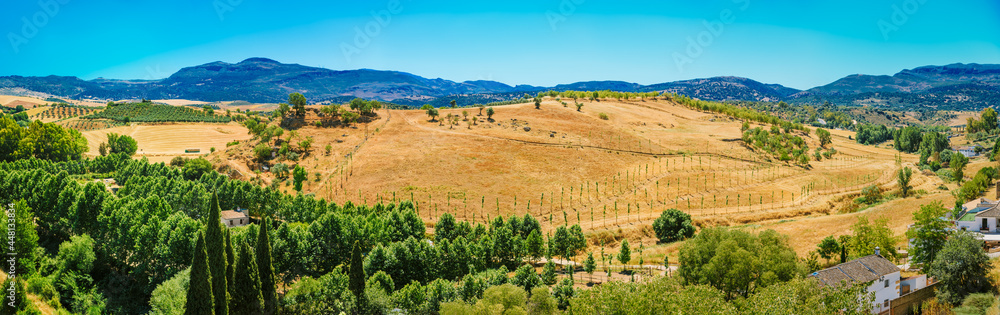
(262, 80)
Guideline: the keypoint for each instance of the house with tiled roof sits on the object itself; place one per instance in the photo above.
(880, 275)
(234, 218)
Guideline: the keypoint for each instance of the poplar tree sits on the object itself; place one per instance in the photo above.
(230, 267)
(265, 268)
(357, 274)
(215, 243)
(199, 295)
(247, 299)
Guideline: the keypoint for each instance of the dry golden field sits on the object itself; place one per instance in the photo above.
(160, 143)
(612, 176)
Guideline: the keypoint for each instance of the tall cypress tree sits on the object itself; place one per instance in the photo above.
(215, 242)
(248, 299)
(357, 274)
(230, 267)
(268, 287)
(199, 295)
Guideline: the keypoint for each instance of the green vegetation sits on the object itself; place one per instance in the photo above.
(737, 112)
(120, 144)
(40, 140)
(929, 233)
(147, 112)
(673, 225)
(962, 268)
(784, 146)
(735, 262)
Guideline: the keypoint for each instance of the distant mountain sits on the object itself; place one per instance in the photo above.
(262, 80)
(726, 89)
(954, 86)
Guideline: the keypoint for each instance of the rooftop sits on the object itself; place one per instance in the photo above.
(861, 270)
(230, 214)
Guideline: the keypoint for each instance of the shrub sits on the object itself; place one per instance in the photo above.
(603, 116)
(673, 225)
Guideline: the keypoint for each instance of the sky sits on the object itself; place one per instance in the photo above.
(799, 44)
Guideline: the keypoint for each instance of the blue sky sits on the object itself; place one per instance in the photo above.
(799, 44)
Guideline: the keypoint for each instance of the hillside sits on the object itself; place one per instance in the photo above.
(565, 166)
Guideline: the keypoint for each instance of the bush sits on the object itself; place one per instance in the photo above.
(872, 194)
(945, 174)
(603, 116)
(673, 225)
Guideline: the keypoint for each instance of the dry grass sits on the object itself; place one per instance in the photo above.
(161, 143)
(631, 162)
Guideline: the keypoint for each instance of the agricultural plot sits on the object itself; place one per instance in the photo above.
(89, 124)
(155, 113)
(57, 113)
(161, 143)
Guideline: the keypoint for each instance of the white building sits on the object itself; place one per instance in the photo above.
(881, 275)
(235, 218)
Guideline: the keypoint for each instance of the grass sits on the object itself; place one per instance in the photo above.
(642, 161)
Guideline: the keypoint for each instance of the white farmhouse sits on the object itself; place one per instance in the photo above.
(881, 275)
(234, 218)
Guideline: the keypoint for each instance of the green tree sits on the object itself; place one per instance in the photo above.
(673, 225)
(961, 267)
(737, 262)
(903, 179)
(828, 248)
(194, 168)
(989, 118)
(489, 113)
(262, 152)
(199, 294)
(549, 273)
(624, 253)
(268, 287)
(870, 234)
(445, 228)
(299, 175)
(24, 239)
(230, 266)
(453, 104)
(282, 109)
(534, 246)
(215, 243)
(589, 265)
(247, 298)
(958, 163)
(121, 144)
(430, 110)
(526, 278)
(170, 297)
(824, 137)
(357, 273)
(929, 233)
(298, 102)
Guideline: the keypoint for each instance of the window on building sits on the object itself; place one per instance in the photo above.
(241, 222)
(886, 281)
(885, 303)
